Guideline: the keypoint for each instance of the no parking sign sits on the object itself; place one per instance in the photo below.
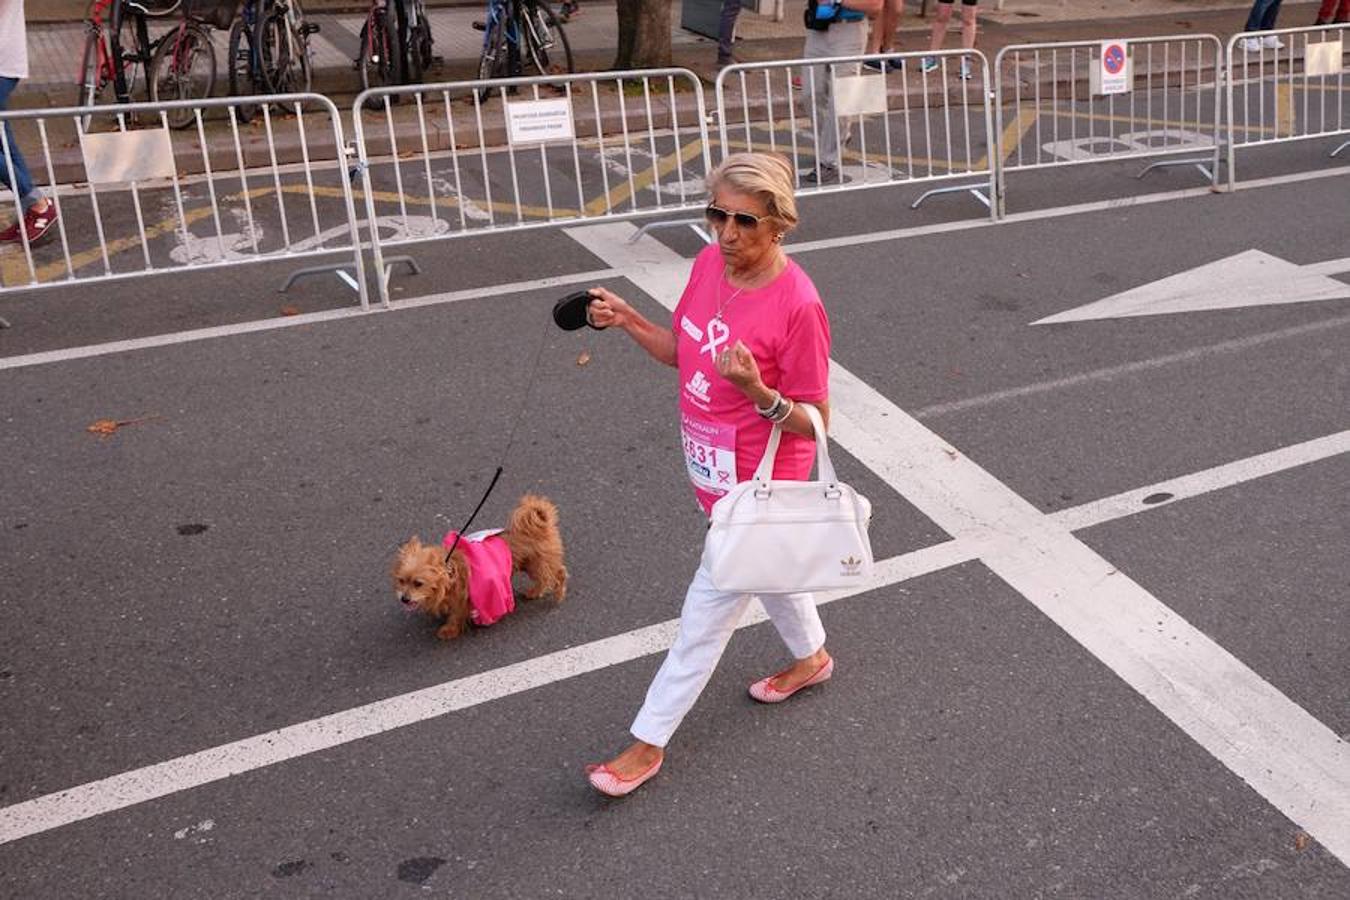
(1112, 73)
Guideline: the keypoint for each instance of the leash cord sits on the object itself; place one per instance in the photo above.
(510, 441)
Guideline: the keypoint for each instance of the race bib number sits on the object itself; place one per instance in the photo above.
(709, 453)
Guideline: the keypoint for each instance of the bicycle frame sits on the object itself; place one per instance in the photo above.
(514, 14)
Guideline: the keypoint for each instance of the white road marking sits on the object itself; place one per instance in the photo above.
(1054, 212)
(180, 337)
(1111, 373)
(1129, 503)
(330, 315)
(1290, 758)
(1298, 764)
(193, 770)
(1249, 278)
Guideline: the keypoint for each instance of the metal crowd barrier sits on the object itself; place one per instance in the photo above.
(474, 157)
(848, 127)
(165, 200)
(1054, 110)
(1291, 91)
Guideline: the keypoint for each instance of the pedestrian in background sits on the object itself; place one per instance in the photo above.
(833, 28)
(726, 32)
(38, 213)
(968, 23)
(1262, 18)
(1324, 16)
(882, 36)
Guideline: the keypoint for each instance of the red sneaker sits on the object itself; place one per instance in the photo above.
(37, 224)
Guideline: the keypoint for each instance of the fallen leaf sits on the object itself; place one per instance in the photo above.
(105, 427)
(584, 358)
(290, 310)
(1301, 841)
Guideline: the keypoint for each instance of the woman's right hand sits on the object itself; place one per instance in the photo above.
(608, 308)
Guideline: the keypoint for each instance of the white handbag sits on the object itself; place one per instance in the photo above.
(781, 537)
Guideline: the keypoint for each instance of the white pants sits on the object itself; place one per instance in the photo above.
(706, 623)
(840, 39)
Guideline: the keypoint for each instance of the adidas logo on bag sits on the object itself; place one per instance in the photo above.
(850, 568)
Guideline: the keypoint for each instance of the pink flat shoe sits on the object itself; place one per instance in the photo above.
(764, 691)
(607, 781)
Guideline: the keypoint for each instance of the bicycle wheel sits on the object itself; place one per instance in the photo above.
(546, 47)
(419, 45)
(243, 72)
(283, 51)
(183, 68)
(375, 61)
(493, 62)
(91, 80)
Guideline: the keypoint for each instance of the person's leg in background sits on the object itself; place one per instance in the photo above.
(969, 22)
(882, 35)
(1261, 12)
(1329, 14)
(34, 205)
(940, 22)
(816, 83)
(1261, 18)
(842, 39)
(1272, 11)
(726, 32)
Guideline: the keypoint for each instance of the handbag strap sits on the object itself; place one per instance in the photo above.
(824, 468)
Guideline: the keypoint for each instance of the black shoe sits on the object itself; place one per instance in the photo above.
(827, 175)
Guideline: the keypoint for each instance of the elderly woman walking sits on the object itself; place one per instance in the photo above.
(752, 345)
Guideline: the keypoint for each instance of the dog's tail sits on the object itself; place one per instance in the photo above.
(534, 518)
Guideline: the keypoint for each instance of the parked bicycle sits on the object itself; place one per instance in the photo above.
(269, 51)
(520, 36)
(179, 64)
(395, 43)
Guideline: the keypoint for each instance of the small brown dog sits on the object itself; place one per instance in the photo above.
(475, 584)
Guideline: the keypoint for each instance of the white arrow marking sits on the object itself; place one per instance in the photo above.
(1251, 278)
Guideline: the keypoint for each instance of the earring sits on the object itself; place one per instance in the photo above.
(778, 238)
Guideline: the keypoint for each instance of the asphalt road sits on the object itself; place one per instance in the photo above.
(1000, 724)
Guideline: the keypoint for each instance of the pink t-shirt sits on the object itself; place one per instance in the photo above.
(785, 327)
(489, 558)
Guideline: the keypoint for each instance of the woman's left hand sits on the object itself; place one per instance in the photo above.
(738, 366)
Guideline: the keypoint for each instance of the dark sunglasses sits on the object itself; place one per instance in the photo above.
(719, 216)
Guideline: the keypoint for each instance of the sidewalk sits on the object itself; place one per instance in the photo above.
(54, 47)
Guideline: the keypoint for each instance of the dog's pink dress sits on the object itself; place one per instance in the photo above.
(489, 558)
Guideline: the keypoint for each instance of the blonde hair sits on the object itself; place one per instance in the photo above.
(765, 176)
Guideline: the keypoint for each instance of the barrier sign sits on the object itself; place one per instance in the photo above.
(115, 157)
(1112, 73)
(537, 121)
(860, 95)
(1322, 58)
